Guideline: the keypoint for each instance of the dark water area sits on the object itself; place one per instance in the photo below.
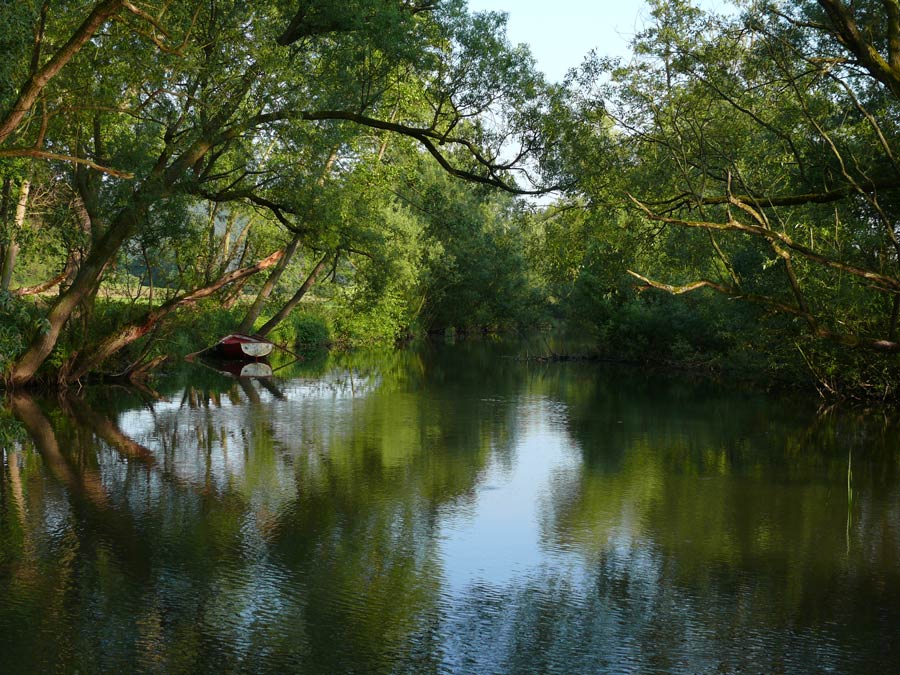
(447, 509)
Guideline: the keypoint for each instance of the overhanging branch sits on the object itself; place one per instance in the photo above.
(847, 340)
(772, 201)
(882, 282)
(41, 154)
(431, 139)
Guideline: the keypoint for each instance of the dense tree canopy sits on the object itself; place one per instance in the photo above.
(755, 155)
(249, 151)
(141, 115)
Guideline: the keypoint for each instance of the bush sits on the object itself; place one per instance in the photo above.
(364, 320)
(311, 332)
(306, 331)
(665, 329)
(18, 321)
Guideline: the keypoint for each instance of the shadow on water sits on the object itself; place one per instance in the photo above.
(446, 509)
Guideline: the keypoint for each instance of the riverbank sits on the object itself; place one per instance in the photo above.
(646, 340)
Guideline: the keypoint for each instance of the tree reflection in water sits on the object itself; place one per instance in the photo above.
(446, 510)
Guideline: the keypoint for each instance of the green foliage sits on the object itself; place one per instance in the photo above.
(723, 131)
(661, 328)
(475, 270)
(16, 19)
(318, 126)
(311, 332)
(215, 125)
(362, 319)
(19, 320)
(306, 330)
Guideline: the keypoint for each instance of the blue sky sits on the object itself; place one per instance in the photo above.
(561, 32)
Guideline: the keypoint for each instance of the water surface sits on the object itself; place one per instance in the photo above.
(449, 509)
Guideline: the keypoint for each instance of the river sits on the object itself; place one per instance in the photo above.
(447, 509)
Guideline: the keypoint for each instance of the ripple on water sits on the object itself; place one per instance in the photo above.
(520, 521)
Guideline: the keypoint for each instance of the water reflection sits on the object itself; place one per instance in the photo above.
(446, 510)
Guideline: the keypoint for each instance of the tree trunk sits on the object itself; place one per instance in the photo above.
(8, 264)
(137, 329)
(264, 293)
(12, 248)
(895, 318)
(5, 198)
(32, 88)
(84, 283)
(290, 304)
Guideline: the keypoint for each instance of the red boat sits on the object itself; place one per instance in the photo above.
(239, 346)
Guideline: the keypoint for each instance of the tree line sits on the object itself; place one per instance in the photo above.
(725, 194)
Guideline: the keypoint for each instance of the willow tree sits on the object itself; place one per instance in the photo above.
(764, 147)
(148, 112)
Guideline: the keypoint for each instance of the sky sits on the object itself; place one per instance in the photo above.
(562, 32)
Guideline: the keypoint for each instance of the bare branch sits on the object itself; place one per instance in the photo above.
(40, 154)
(41, 287)
(883, 282)
(430, 139)
(853, 341)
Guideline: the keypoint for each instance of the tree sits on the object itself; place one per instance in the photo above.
(762, 148)
(473, 268)
(183, 103)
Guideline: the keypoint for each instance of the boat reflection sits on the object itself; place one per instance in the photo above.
(238, 368)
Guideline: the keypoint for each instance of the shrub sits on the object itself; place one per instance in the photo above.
(306, 331)
(18, 320)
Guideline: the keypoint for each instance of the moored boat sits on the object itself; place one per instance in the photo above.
(240, 346)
